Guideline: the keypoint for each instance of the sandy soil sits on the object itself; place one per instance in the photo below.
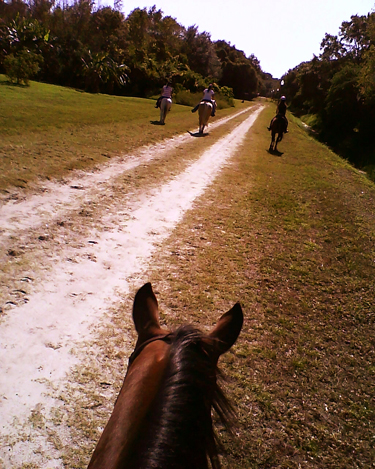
(81, 274)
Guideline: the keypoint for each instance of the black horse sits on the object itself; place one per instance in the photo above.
(277, 127)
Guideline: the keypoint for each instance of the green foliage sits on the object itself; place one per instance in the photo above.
(22, 66)
(338, 87)
(101, 50)
(370, 171)
(101, 69)
(201, 54)
(227, 92)
(366, 78)
(341, 99)
(186, 98)
(223, 98)
(240, 73)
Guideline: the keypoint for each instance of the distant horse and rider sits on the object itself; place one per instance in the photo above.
(206, 107)
(162, 416)
(165, 102)
(278, 125)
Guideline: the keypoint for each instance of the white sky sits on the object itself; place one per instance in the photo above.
(280, 33)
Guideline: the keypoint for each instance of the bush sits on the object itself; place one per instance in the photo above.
(22, 66)
(186, 98)
(370, 170)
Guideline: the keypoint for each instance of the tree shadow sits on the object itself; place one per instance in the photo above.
(12, 83)
(156, 123)
(197, 134)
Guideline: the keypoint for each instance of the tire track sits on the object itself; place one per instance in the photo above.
(36, 339)
(57, 198)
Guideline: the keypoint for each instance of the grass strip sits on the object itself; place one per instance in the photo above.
(292, 237)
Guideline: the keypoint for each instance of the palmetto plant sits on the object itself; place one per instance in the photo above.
(100, 69)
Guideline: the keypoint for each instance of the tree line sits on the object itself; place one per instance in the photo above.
(101, 50)
(335, 91)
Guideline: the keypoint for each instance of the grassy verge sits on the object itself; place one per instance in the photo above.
(292, 237)
(47, 131)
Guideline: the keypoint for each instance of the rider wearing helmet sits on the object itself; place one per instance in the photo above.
(208, 95)
(281, 113)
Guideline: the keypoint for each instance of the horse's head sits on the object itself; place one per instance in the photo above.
(163, 412)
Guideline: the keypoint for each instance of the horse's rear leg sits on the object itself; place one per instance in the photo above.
(272, 142)
(279, 138)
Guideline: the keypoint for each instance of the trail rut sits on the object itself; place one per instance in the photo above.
(57, 308)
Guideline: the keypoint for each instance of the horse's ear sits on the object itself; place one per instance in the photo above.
(146, 313)
(227, 329)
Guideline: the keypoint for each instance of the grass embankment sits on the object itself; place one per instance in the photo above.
(350, 151)
(46, 131)
(292, 238)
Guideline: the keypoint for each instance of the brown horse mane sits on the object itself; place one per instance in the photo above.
(179, 431)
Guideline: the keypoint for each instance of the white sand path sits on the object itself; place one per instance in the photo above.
(33, 211)
(36, 338)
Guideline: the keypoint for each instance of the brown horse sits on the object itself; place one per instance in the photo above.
(162, 416)
(204, 111)
(277, 127)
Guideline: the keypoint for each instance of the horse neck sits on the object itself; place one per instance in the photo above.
(180, 432)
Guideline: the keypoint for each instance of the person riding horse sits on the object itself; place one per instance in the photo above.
(166, 92)
(208, 95)
(281, 113)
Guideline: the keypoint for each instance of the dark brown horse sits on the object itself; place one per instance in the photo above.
(162, 416)
(277, 127)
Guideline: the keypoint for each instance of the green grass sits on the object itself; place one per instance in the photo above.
(292, 238)
(46, 131)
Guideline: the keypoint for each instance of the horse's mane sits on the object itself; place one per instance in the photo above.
(180, 430)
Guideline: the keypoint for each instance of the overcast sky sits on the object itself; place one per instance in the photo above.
(280, 33)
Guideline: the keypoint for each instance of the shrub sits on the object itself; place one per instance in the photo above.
(22, 66)
(370, 170)
(186, 98)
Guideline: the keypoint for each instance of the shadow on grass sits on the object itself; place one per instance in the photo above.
(16, 85)
(197, 134)
(276, 153)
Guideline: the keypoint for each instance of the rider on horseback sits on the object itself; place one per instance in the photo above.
(166, 92)
(281, 113)
(208, 95)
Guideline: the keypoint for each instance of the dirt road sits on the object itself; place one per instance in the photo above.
(76, 248)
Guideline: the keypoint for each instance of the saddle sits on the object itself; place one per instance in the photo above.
(203, 101)
(280, 118)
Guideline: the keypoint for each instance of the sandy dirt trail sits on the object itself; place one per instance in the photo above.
(37, 335)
